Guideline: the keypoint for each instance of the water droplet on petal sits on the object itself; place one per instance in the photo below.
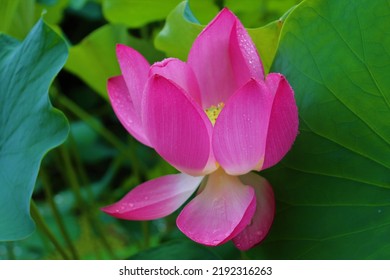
(215, 242)
(259, 232)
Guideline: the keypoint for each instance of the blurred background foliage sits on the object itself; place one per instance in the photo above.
(100, 162)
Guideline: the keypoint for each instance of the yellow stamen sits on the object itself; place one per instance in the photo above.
(213, 112)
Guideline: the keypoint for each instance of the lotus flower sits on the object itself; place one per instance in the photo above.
(215, 118)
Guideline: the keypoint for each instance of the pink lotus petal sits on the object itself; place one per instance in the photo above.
(283, 126)
(177, 127)
(124, 108)
(240, 131)
(250, 211)
(219, 212)
(135, 71)
(180, 73)
(245, 59)
(155, 199)
(210, 59)
(262, 220)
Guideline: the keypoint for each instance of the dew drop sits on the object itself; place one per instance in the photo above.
(259, 232)
(215, 242)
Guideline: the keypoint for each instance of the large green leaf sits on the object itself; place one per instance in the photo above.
(51, 11)
(204, 11)
(29, 125)
(94, 59)
(333, 188)
(16, 17)
(178, 34)
(136, 13)
(181, 29)
(257, 13)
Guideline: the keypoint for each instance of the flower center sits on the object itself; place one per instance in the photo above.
(213, 112)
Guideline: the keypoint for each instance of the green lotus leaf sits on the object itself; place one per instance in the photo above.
(333, 188)
(29, 125)
(94, 60)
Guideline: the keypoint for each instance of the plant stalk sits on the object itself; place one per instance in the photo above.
(41, 224)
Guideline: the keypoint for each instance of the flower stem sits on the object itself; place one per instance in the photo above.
(57, 216)
(105, 133)
(84, 207)
(80, 167)
(41, 224)
(10, 250)
(146, 234)
(244, 255)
